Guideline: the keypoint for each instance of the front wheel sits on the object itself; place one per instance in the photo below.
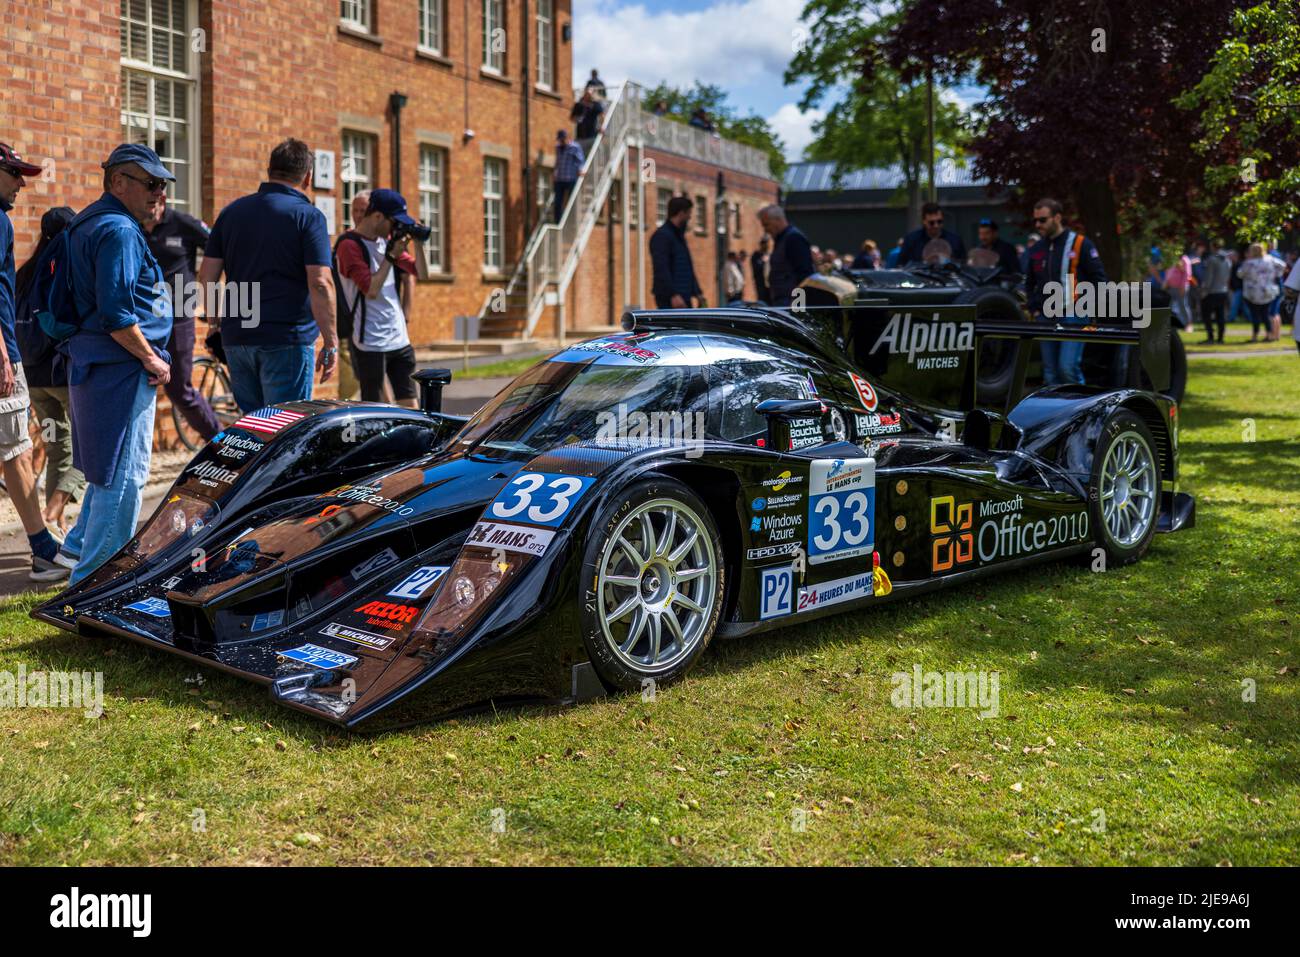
(1124, 491)
(652, 584)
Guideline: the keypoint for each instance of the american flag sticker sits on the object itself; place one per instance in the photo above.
(268, 421)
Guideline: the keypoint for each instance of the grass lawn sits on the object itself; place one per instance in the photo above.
(1121, 699)
(506, 367)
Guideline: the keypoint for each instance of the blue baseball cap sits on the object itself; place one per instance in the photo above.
(141, 156)
(391, 204)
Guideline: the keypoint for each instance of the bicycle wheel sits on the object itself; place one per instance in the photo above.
(210, 381)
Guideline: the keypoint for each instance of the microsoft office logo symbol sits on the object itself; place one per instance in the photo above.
(950, 523)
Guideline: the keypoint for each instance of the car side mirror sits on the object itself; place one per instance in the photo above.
(780, 412)
(430, 383)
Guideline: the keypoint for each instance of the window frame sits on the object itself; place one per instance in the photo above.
(431, 17)
(488, 62)
(701, 215)
(424, 189)
(365, 7)
(188, 82)
(348, 180)
(545, 29)
(499, 198)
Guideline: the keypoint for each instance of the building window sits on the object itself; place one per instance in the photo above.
(159, 95)
(701, 215)
(735, 220)
(356, 168)
(494, 204)
(433, 174)
(545, 192)
(661, 205)
(355, 14)
(494, 36)
(430, 13)
(546, 43)
(616, 201)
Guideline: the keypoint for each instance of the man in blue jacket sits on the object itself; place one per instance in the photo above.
(674, 273)
(116, 357)
(15, 445)
(791, 261)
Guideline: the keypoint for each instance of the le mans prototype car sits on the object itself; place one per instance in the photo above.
(707, 473)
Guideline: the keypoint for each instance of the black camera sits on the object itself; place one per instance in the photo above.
(417, 231)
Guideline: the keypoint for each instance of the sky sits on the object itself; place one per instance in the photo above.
(742, 46)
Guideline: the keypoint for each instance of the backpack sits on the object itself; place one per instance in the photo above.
(345, 315)
(34, 345)
(53, 300)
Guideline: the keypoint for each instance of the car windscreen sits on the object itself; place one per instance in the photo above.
(560, 403)
(736, 387)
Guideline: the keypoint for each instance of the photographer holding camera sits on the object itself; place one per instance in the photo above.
(377, 279)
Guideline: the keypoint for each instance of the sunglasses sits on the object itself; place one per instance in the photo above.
(934, 222)
(152, 184)
(1041, 219)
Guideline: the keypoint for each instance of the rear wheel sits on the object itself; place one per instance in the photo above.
(652, 584)
(1124, 492)
(997, 357)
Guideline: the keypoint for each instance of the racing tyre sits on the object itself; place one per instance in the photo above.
(653, 579)
(1124, 490)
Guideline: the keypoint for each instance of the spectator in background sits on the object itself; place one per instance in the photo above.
(47, 382)
(1177, 278)
(1259, 276)
(674, 282)
(791, 261)
(596, 85)
(733, 278)
(586, 116)
(1292, 292)
(277, 239)
(829, 262)
(1237, 307)
(569, 158)
(15, 443)
(348, 384)
(758, 267)
(377, 278)
(661, 108)
(701, 120)
(1008, 259)
(116, 358)
(1275, 307)
(1067, 258)
(891, 261)
(1215, 270)
(174, 241)
(868, 257)
(931, 228)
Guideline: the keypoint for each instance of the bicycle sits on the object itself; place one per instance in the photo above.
(213, 383)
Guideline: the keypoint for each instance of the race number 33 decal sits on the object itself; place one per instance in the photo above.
(841, 509)
(539, 498)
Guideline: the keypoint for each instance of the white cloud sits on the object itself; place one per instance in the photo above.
(731, 43)
(795, 128)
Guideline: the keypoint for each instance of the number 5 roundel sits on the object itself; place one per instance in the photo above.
(539, 498)
(866, 394)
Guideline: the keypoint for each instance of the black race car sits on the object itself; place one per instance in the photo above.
(707, 473)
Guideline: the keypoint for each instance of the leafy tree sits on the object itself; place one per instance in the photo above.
(751, 130)
(1080, 102)
(876, 118)
(1249, 108)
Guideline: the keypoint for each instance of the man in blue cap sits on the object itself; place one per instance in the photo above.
(116, 357)
(274, 248)
(15, 445)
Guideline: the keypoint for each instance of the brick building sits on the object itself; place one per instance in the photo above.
(454, 102)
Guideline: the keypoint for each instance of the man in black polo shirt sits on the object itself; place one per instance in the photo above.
(174, 240)
(791, 261)
(274, 248)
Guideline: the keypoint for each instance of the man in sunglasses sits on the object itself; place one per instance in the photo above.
(914, 243)
(15, 444)
(117, 357)
(1068, 258)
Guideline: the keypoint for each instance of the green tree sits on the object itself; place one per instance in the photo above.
(875, 117)
(752, 130)
(1249, 109)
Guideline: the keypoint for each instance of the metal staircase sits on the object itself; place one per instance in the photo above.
(553, 251)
